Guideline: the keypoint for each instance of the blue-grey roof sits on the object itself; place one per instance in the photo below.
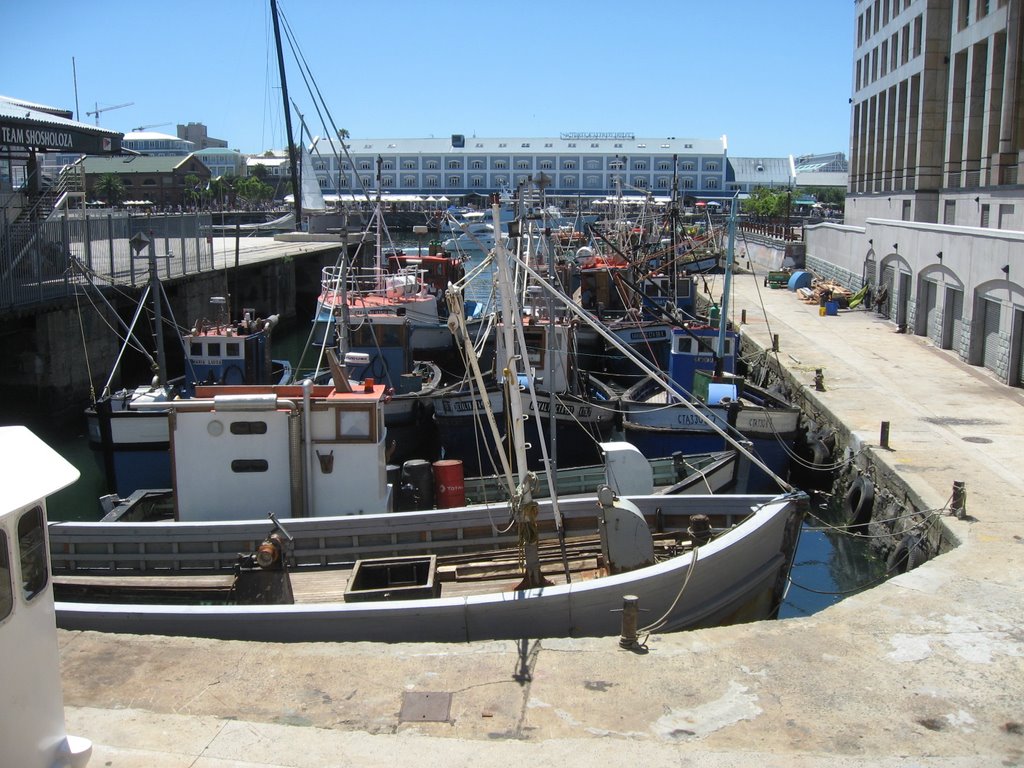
(770, 171)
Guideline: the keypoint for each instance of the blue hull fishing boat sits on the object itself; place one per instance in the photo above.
(705, 398)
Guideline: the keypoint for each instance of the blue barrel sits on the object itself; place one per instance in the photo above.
(800, 279)
(832, 308)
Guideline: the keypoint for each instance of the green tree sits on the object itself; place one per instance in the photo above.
(193, 190)
(110, 187)
(766, 202)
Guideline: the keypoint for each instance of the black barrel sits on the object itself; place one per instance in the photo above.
(417, 490)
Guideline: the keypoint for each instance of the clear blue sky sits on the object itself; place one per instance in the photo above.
(774, 76)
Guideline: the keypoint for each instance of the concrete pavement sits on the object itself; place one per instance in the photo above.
(925, 670)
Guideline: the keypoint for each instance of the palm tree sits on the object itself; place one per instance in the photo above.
(110, 187)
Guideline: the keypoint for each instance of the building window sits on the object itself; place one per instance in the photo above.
(525, 145)
(476, 181)
(501, 181)
(546, 165)
(366, 181)
(984, 215)
(32, 553)
(454, 165)
(711, 165)
(664, 165)
(711, 183)
(387, 181)
(568, 165)
(686, 166)
(409, 165)
(687, 183)
(431, 181)
(477, 165)
(664, 182)
(522, 164)
(949, 212)
(387, 165)
(640, 182)
(592, 181)
(365, 165)
(408, 181)
(568, 182)
(500, 165)
(639, 165)
(431, 165)
(454, 181)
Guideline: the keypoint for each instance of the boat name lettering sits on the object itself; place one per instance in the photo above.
(561, 409)
(462, 406)
(647, 335)
(690, 420)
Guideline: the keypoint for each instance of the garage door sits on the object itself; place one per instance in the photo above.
(933, 321)
(990, 329)
(953, 319)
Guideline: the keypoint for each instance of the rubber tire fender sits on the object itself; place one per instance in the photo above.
(908, 554)
(859, 502)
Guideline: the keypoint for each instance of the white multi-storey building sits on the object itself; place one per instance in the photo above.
(573, 165)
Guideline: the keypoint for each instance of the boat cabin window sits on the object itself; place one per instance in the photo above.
(248, 428)
(687, 345)
(355, 425)
(232, 349)
(32, 552)
(213, 349)
(6, 589)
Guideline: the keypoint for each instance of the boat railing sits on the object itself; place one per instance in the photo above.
(404, 282)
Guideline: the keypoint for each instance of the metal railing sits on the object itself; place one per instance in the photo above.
(35, 255)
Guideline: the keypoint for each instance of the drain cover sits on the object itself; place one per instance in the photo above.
(423, 707)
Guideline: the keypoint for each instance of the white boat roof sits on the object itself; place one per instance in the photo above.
(31, 470)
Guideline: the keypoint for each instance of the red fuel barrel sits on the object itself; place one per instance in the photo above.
(449, 485)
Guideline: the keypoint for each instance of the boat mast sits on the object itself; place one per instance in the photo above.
(727, 283)
(525, 506)
(293, 161)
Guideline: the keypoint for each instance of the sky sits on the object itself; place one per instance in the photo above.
(773, 76)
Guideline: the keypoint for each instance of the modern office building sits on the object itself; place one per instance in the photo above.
(934, 217)
(937, 130)
(196, 133)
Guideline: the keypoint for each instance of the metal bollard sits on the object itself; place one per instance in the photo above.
(775, 342)
(819, 380)
(883, 438)
(743, 317)
(630, 615)
(959, 502)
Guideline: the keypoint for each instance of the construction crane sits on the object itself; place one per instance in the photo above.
(106, 109)
(147, 127)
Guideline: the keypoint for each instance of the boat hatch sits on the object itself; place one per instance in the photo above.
(393, 578)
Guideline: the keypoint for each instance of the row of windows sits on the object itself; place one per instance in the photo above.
(479, 182)
(877, 16)
(890, 54)
(456, 164)
(548, 145)
(31, 558)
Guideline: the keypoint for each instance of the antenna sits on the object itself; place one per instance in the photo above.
(99, 109)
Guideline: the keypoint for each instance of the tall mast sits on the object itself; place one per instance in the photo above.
(723, 316)
(293, 160)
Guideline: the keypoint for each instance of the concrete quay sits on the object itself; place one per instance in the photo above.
(926, 669)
